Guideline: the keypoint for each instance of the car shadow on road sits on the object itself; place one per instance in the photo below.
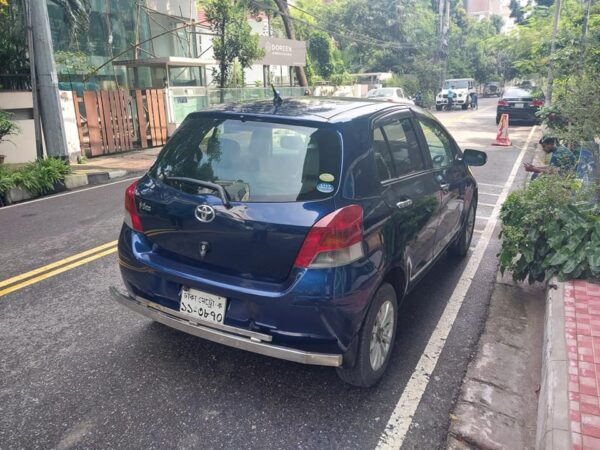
(226, 378)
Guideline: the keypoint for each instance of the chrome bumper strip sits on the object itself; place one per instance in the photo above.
(226, 335)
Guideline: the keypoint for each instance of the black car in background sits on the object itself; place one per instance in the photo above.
(520, 105)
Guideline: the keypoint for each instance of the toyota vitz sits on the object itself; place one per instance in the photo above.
(295, 230)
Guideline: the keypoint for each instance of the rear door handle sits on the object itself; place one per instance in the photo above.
(404, 204)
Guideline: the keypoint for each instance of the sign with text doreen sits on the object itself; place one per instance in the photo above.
(282, 52)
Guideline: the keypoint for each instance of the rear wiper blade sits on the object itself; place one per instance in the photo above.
(207, 184)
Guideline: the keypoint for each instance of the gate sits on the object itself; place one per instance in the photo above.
(112, 121)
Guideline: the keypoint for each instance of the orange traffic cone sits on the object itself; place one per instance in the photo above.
(502, 136)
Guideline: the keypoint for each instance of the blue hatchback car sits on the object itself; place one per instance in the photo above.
(295, 230)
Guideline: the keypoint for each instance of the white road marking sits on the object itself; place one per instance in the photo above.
(488, 184)
(477, 231)
(486, 204)
(482, 217)
(401, 418)
(29, 202)
(489, 193)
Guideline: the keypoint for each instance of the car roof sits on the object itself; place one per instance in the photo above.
(319, 109)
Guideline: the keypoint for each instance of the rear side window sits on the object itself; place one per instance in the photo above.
(438, 144)
(396, 149)
(253, 161)
(404, 146)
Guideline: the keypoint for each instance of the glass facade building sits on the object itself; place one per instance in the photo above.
(82, 46)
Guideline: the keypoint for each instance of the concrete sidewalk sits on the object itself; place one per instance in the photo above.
(103, 168)
(497, 405)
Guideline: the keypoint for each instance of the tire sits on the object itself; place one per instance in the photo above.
(465, 106)
(438, 107)
(366, 373)
(497, 120)
(462, 244)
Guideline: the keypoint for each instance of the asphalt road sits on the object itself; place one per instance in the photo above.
(79, 371)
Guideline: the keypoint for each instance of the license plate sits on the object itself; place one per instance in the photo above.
(202, 306)
(519, 105)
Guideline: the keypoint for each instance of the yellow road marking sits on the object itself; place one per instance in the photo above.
(61, 269)
(56, 264)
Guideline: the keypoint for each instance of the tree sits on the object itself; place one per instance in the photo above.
(320, 49)
(234, 41)
(516, 11)
(284, 11)
(77, 15)
(14, 63)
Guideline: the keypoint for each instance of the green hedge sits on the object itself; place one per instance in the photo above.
(37, 177)
(551, 228)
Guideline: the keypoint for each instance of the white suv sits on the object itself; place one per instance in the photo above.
(462, 88)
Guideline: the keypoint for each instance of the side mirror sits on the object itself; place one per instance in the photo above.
(474, 157)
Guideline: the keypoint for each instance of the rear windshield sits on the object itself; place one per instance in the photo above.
(385, 92)
(517, 93)
(253, 161)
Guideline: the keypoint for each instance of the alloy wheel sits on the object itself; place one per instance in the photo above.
(381, 336)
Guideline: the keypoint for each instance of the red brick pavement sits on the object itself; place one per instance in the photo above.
(582, 329)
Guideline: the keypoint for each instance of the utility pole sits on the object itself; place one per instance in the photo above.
(552, 50)
(49, 101)
(39, 150)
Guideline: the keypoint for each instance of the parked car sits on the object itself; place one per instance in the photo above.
(527, 84)
(520, 105)
(390, 94)
(462, 88)
(295, 231)
(492, 88)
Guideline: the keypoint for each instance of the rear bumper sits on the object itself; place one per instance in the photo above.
(230, 336)
(315, 311)
(514, 114)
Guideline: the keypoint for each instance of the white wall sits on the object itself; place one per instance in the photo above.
(174, 7)
(21, 147)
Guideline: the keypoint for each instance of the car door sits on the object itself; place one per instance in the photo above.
(408, 188)
(451, 175)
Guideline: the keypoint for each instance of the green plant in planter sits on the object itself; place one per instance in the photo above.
(550, 229)
(7, 181)
(7, 126)
(41, 176)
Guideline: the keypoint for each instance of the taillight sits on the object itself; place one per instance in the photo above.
(502, 103)
(333, 241)
(537, 103)
(131, 214)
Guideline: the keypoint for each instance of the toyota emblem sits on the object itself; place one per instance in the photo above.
(205, 213)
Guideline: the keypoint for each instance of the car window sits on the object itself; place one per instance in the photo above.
(383, 158)
(253, 161)
(404, 147)
(399, 93)
(438, 144)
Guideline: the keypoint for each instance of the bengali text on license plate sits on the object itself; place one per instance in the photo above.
(202, 305)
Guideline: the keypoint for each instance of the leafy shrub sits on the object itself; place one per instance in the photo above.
(6, 180)
(550, 229)
(36, 177)
(7, 126)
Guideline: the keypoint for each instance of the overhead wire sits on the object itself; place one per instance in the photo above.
(368, 40)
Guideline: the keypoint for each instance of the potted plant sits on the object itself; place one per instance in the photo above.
(7, 128)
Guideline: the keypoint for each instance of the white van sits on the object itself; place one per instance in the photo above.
(462, 88)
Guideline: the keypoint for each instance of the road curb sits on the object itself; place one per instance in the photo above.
(553, 423)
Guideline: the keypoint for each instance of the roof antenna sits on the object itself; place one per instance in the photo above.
(277, 100)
